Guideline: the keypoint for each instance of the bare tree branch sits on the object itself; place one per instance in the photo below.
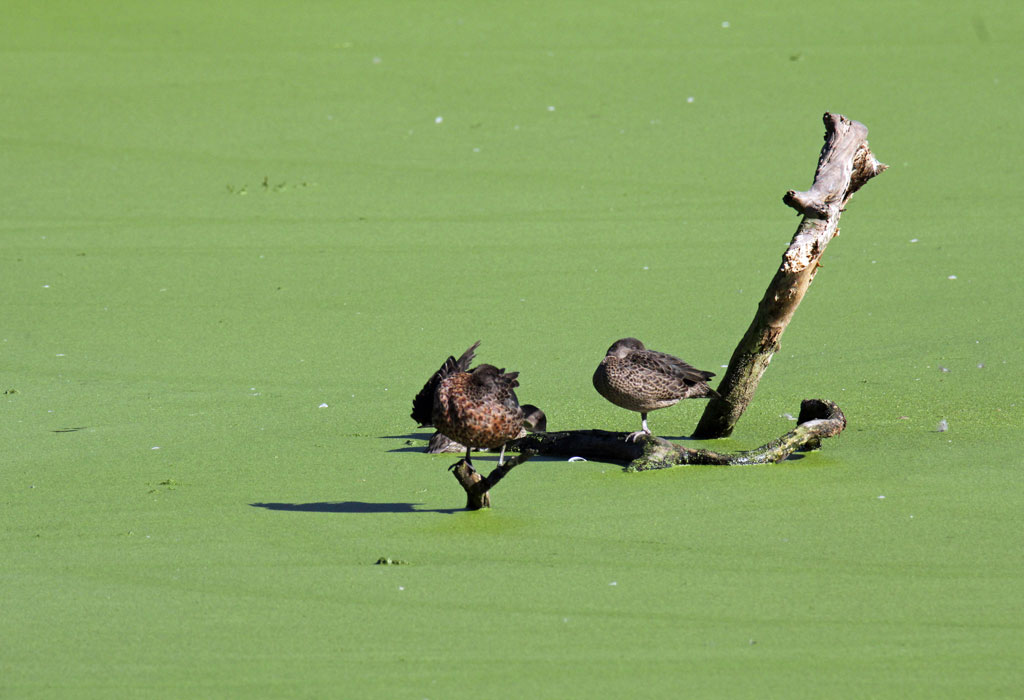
(477, 486)
(845, 165)
(818, 419)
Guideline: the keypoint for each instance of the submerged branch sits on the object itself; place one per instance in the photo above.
(819, 419)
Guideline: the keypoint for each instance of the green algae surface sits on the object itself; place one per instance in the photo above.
(238, 237)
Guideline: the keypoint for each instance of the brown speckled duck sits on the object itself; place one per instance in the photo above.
(477, 408)
(423, 404)
(642, 380)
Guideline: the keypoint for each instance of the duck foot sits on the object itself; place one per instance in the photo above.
(633, 437)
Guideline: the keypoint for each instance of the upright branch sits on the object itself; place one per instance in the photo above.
(845, 165)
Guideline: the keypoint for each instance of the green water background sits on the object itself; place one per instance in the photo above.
(237, 237)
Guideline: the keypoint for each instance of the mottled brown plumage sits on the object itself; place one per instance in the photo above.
(478, 408)
(642, 380)
(475, 408)
(534, 421)
(423, 403)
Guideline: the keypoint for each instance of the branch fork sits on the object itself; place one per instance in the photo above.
(478, 486)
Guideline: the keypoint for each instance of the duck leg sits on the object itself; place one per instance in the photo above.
(632, 437)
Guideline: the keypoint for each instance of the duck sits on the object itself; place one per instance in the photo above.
(642, 380)
(477, 408)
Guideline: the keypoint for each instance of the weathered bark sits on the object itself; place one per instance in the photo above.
(477, 485)
(818, 419)
(845, 165)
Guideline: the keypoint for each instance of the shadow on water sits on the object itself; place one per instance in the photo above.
(425, 437)
(353, 507)
(409, 436)
(421, 449)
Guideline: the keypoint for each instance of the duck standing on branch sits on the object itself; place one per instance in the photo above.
(642, 380)
(477, 408)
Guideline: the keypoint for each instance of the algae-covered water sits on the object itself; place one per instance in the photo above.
(238, 237)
